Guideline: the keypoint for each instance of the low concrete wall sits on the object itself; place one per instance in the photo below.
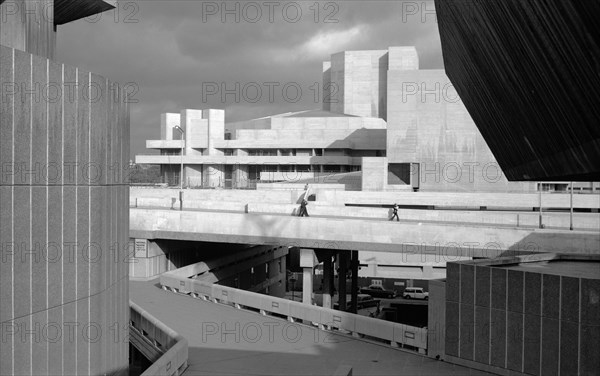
(333, 194)
(588, 221)
(300, 187)
(471, 200)
(393, 333)
(160, 344)
(218, 195)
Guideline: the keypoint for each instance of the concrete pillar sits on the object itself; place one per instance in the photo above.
(241, 176)
(327, 282)
(354, 267)
(307, 285)
(213, 175)
(343, 268)
(307, 263)
(192, 176)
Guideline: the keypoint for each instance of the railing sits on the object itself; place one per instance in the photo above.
(165, 348)
(397, 335)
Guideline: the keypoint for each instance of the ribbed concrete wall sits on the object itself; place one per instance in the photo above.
(528, 322)
(64, 150)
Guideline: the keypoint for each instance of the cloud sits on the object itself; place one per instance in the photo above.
(324, 42)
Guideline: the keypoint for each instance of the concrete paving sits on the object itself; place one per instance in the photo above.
(226, 341)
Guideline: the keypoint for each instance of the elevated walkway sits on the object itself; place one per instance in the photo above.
(444, 239)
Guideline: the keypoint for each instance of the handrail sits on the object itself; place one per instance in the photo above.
(173, 361)
(394, 333)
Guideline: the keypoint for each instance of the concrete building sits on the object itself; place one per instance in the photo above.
(403, 128)
(64, 224)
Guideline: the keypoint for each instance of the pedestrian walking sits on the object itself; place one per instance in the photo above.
(303, 212)
(395, 213)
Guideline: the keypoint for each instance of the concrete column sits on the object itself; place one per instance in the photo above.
(213, 175)
(354, 267)
(327, 282)
(307, 263)
(241, 176)
(307, 285)
(343, 268)
(193, 176)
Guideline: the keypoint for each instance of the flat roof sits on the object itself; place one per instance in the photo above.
(567, 268)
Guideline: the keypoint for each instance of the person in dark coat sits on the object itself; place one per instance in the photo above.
(395, 213)
(303, 212)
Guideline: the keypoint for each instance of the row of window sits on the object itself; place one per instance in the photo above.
(294, 152)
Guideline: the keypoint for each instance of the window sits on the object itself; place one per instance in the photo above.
(228, 152)
(399, 173)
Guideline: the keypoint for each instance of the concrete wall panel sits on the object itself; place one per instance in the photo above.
(58, 210)
(498, 337)
(550, 346)
(482, 286)
(452, 327)
(498, 292)
(482, 335)
(467, 284)
(550, 296)
(533, 293)
(515, 291)
(569, 348)
(514, 341)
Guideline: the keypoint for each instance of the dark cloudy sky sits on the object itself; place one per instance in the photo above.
(174, 50)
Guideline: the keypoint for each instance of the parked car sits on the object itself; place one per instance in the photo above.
(415, 293)
(377, 291)
(363, 301)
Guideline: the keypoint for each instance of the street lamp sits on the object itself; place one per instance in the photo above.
(181, 171)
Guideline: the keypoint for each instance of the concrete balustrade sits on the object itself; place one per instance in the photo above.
(219, 195)
(589, 221)
(160, 344)
(393, 333)
(214, 205)
(299, 186)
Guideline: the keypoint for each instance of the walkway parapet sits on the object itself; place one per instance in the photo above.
(165, 348)
(395, 334)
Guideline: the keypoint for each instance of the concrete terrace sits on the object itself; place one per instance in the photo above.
(227, 341)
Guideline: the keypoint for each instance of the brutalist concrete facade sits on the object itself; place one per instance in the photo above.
(535, 315)
(64, 223)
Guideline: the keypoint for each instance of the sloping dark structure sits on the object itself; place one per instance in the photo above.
(66, 11)
(529, 74)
